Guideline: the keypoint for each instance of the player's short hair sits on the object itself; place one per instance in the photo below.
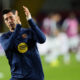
(5, 11)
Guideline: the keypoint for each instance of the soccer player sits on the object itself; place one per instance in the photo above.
(20, 46)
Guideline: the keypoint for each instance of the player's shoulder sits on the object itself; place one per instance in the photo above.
(26, 29)
(5, 34)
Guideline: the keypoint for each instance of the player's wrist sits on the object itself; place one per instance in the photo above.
(29, 17)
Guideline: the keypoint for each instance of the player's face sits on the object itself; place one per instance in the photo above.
(10, 21)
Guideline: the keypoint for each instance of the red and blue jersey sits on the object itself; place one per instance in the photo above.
(21, 50)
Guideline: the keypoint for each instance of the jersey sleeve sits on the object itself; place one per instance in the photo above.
(38, 34)
(7, 43)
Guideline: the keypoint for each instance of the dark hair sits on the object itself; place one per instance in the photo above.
(5, 11)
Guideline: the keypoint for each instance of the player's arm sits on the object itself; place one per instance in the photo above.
(40, 37)
(7, 43)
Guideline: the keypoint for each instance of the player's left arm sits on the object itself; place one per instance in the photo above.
(40, 37)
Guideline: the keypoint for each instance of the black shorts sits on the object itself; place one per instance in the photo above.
(17, 79)
(22, 79)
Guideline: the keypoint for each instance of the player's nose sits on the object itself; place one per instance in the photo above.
(9, 20)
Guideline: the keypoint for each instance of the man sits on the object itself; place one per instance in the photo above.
(20, 47)
(70, 26)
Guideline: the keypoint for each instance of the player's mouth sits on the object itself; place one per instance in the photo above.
(12, 26)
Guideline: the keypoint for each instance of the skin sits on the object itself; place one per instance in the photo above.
(11, 19)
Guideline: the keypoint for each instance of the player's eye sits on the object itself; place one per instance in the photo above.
(11, 17)
(6, 19)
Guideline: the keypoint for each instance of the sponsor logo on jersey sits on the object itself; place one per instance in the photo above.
(23, 47)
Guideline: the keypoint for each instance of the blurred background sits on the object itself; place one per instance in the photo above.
(60, 22)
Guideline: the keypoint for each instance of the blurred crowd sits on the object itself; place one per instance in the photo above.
(63, 38)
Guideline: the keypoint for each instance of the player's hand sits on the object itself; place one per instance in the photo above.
(27, 13)
(17, 18)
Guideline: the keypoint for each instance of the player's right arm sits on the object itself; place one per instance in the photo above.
(7, 43)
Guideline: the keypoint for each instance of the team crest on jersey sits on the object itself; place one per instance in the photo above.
(24, 35)
(23, 47)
